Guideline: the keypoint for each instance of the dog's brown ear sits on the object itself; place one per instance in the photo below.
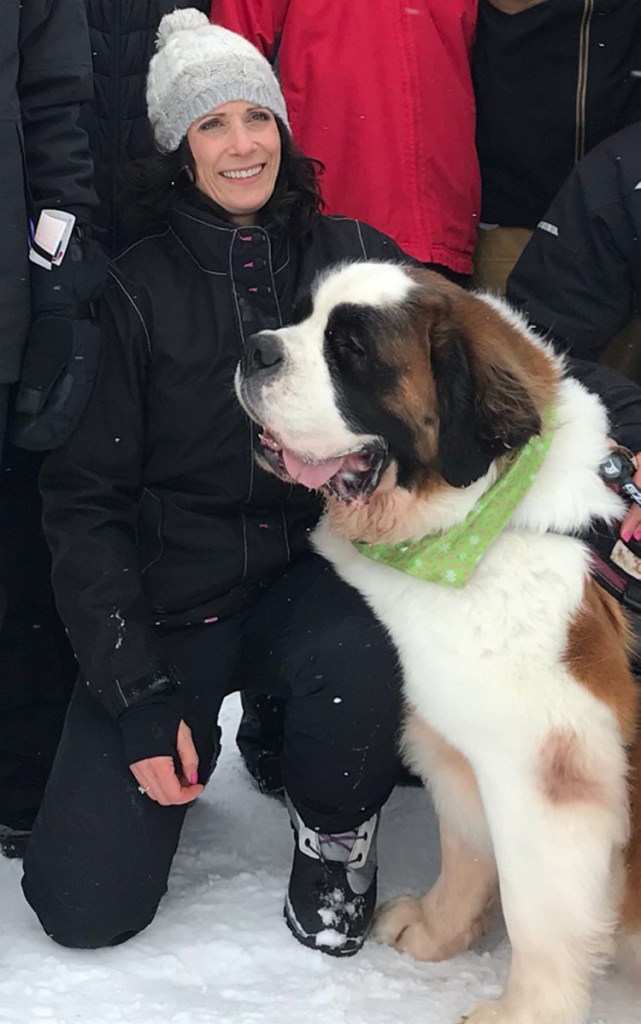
(485, 403)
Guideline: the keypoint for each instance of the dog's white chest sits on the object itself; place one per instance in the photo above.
(475, 657)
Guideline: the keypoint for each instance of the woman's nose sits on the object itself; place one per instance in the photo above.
(241, 140)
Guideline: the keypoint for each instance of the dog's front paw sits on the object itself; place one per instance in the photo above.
(489, 1013)
(403, 925)
(394, 918)
(498, 1012)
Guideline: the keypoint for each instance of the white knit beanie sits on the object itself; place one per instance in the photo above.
(197, 67)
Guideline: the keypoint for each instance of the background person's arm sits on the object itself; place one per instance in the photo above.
(575, 280)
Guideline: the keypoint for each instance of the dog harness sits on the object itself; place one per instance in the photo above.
(450, 558)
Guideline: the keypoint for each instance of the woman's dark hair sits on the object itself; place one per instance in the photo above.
(151, 186)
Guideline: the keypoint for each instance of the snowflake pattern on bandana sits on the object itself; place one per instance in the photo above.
(451, 558)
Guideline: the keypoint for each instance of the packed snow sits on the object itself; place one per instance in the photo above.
(220, 953)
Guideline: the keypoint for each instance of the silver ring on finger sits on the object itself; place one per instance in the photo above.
(143, 790)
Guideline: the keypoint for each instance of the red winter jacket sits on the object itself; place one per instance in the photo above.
(382, 94)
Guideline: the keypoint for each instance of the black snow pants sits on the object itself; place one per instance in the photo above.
(97, 864)
(37, 666)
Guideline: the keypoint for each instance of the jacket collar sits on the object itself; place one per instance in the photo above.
(215, 244)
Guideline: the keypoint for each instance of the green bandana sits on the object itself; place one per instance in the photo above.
(452, 557)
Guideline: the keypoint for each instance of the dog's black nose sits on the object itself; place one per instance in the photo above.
(264, 351)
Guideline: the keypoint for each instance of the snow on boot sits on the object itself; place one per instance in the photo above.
(332, 887)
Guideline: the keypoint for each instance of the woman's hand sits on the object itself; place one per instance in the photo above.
(157, 775)
(631, 522)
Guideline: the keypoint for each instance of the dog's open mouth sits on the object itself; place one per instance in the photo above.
(349, 477)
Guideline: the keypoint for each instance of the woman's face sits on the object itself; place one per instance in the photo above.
(236, 151)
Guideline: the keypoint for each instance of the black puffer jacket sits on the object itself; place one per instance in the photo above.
(552, 79)
(155, 510)
(578, 279)
(123, 34)
(45, 79)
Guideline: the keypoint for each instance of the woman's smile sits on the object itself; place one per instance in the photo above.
(243, 174)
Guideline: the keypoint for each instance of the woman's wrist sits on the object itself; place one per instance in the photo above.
(150, 728)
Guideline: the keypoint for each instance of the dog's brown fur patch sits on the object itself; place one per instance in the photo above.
(596, 654)
(631, 907)
(565, 774)
(495, 347)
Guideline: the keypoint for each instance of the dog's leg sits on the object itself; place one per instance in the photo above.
(457, 908)
(452, 914)
(629, 944)
(556, 841)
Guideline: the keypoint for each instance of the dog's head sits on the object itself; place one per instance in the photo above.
(398, 368)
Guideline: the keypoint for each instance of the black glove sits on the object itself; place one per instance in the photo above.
(149, 727)
(62, 349)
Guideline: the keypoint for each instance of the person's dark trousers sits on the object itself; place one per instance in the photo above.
(97, 864)
(260, 740)
(37, 666)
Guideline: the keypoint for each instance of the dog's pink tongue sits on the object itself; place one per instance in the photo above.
(312, 475)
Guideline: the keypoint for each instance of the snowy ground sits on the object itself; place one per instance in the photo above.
(219, 952)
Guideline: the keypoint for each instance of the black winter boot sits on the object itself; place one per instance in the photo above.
(13, 841)
(260, 740)
(332, 887)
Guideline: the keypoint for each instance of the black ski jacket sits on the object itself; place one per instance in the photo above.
(45, 79)
(579, 278)
(155, 510)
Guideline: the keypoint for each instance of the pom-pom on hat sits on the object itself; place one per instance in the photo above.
(197, 67)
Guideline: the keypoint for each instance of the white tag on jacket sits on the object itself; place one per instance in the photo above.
(51, 239)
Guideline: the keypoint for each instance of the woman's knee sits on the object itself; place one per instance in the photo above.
(349, 649)
(80, 923)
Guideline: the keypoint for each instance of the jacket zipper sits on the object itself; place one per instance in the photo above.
(582, 79)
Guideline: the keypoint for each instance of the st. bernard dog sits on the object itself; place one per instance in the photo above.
(408, 402)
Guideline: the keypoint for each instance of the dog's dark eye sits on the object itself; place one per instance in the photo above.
(343, 341)
(350, 344)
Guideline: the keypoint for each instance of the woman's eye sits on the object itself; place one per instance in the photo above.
(209, 125)
(260, 115)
